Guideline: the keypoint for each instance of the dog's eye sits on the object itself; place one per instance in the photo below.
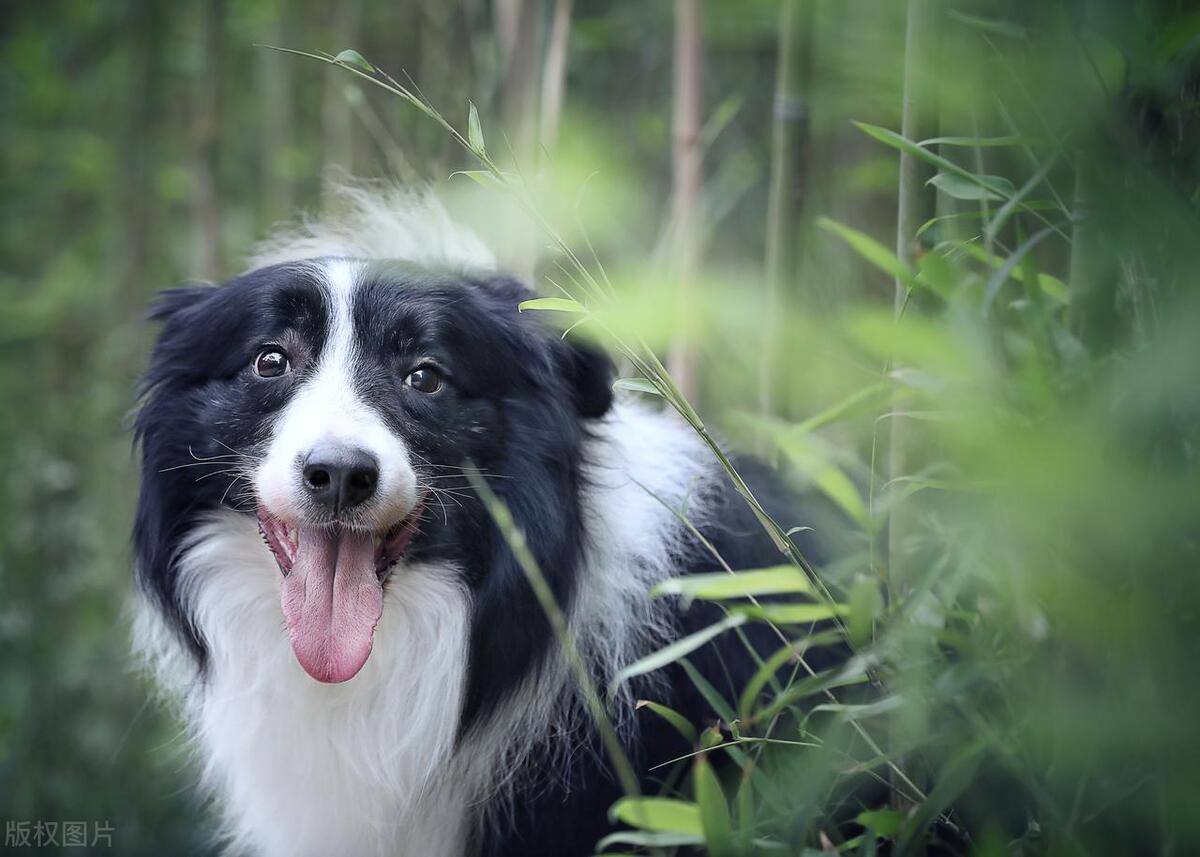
(271, 363)
(424, 379)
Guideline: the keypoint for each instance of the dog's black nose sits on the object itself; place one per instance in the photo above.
(340, 477)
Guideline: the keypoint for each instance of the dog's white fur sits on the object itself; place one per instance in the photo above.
(370, 766)
(380, 222)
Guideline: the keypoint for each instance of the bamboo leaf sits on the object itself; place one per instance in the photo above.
(682, 725)
(860, 398)
(474, 129)
(978, 142)
(484, 177)
(552, 305)
(791, 614)
(769, 668)
(870, 249)
(1010, 265)
(714, 810)
(675, 651)
(865, 604)
(717, 702)
(648, 840)
(883, 822)
(986, 187)
(1006, 210)
(638, 385)
(861, 711)
(658, 815)
(988, 25)
(800, 690)
(1052, 286)
(721, 585)
(354, 59)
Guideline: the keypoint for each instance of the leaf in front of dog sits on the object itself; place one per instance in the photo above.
(552, 305)
(721, 585)
(638, 385)
(715, 817)
(658, 814)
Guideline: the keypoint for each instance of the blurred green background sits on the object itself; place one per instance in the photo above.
(1013, 465)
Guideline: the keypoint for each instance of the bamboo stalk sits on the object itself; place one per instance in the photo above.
(786, 194)
(914, 206)
(554, 74)
(686, 157)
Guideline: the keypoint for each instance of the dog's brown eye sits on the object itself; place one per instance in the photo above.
(271, 363)
(424, 379)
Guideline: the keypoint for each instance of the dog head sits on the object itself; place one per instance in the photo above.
(339, 402)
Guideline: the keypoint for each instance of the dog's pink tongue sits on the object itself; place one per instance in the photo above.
(331, 601)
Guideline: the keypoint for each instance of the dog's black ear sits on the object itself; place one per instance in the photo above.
(584, 365)
(170, 302)
(589, 372)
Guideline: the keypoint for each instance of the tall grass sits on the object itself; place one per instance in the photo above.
(1030, 685)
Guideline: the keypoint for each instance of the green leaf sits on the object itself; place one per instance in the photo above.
(852, 673)
(986, 187)
(485, 177)
(474, 129)
(682, 725)
(658, 815)
(552, 305)
(1006, 211)
(870, 249)
(711, 695)
(711, 737)
(861, 711)
(977, 142)
(355, 60)
(769, 667)
(987, 25)
(648, 840)
(811, 457)
(865, 604)
(860, 398)
(675, 651)
(1052, 286)
(884, 822)
(896, 141)
(714, 810)
(721, 116)
(951, 780)
(1006, 270)
(791, 614)
(721, 585)
(638, 385)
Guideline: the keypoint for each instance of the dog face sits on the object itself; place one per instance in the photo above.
(339, 401)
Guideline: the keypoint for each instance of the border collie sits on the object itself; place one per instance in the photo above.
(362, 664)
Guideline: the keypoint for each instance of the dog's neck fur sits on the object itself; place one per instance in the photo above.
(378, 755)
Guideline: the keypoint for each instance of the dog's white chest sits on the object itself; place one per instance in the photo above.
(302, 767)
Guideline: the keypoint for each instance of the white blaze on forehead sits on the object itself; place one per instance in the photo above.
(328, 408)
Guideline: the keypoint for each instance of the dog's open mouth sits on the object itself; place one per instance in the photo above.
(333, 588)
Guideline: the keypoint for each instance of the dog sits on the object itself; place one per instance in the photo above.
(360, 658)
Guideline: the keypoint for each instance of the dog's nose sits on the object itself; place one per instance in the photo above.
(340, 477)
